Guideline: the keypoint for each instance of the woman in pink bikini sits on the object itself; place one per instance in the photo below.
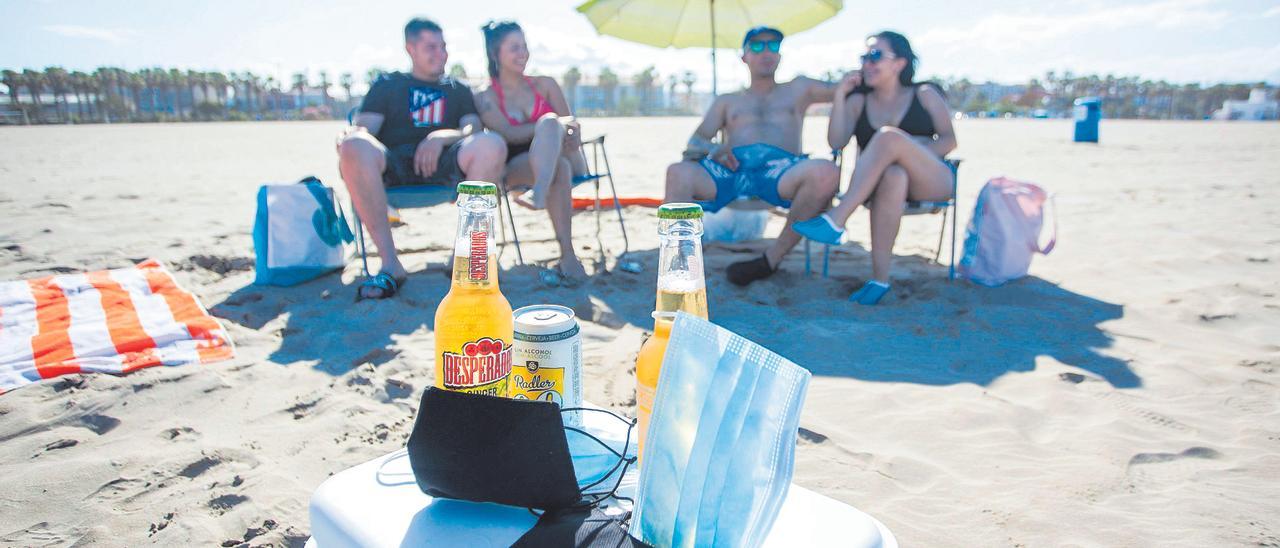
(543, 139)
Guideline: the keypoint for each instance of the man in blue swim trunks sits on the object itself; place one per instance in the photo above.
(759, 154)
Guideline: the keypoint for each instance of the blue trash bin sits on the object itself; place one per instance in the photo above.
(1088, 113)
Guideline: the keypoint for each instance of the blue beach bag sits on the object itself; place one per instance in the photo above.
(299, 233)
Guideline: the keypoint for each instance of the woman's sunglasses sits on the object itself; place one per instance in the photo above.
(874, 55)
(759, 46)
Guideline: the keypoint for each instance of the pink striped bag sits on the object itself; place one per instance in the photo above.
(1004, 233)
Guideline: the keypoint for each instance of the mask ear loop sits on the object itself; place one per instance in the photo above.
(623, 461)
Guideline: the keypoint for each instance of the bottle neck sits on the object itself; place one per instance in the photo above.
(474, 262)
(681, 282)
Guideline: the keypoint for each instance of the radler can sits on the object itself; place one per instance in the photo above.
(546, 357)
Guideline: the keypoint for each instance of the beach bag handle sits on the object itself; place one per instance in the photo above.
(1052, 211)
(330, 221)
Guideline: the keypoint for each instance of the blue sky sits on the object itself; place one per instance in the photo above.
(1004, 40)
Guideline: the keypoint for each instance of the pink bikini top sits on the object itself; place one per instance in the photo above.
(540, 104)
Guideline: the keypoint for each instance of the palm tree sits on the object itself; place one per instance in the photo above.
(324, 89)
(219, 81)
(12, 80)
(252, 91)
(108, 84)
(345, 81)
(177, 81)
(59, 83)
(608, 83)
(273, 89)
(671, 91)
(644, 82)
(571, 79)
(196, 81)
(688, 79)
(35, 83)
(79, 84)
(299, 85)
(373, 75)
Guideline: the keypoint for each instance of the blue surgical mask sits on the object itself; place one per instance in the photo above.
(720, 449)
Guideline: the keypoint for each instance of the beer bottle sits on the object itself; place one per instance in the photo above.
(681, 287)
(473, 322)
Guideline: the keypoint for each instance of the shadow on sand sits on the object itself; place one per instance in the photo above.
(931, 331)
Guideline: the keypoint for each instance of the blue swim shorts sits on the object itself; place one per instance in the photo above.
(760, 167)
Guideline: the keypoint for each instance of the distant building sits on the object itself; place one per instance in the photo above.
(1257, 107)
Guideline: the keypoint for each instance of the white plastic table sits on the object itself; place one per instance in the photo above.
(378, 503)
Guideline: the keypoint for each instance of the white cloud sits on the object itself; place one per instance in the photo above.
(1271, 12)
(1011, 32)
(114, 36)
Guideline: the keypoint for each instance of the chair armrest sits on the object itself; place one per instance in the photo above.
(597, 140)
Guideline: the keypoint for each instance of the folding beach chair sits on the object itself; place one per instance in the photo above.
(416, 196)
(412, 196)
(913, 207)
(594, 175)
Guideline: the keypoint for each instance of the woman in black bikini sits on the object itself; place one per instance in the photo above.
(903, 130)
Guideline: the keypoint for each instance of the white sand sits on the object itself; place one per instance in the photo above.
(1125, 394)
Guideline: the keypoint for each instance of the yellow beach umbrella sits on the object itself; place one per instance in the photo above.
(703, 23)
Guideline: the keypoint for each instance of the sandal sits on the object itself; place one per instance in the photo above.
(388, 284)
(553, 277)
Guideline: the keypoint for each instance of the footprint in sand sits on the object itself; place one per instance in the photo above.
(181, 433)
(1127, 404)
(119, 490)
(1158, 471)
(809, 437)
(1259, 398)
(221, 504)
(99, 424)
(38, 534)
(201, 466)
(60, 444)
(301, 409)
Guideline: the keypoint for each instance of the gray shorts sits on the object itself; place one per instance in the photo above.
(399, 170)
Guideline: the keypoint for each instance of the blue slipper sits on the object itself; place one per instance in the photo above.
(820, 229)
(870, 293)
(387, 284)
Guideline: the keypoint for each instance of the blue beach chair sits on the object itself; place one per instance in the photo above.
(913, 207)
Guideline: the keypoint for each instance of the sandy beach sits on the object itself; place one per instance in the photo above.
(1123, 394)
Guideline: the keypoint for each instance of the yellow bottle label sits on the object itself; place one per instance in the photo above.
(483, 367)
(644, 408)
(530, 382)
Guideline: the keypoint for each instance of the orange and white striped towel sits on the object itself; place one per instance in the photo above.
(110, 321)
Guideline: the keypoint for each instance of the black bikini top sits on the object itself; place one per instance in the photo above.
(915, 122)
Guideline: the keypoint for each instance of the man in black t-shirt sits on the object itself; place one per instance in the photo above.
(412, 129)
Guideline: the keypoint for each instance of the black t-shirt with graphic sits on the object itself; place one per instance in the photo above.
(412, 108)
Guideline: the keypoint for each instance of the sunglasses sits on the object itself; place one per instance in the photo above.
(874, 55)
(759, 46)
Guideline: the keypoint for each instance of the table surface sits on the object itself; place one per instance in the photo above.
(378, 503)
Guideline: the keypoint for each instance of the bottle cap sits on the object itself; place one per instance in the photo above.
(477, 188)
(680, 211)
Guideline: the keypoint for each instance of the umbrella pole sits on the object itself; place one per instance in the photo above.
(712, 3)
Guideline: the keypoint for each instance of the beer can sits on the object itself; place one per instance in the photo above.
(546, 357)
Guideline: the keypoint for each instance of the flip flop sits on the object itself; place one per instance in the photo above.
(820, 229)
(870, 293)
(553, 277)
(389, 285)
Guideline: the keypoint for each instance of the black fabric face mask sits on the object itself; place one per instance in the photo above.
(489, 449)
(579, 527)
